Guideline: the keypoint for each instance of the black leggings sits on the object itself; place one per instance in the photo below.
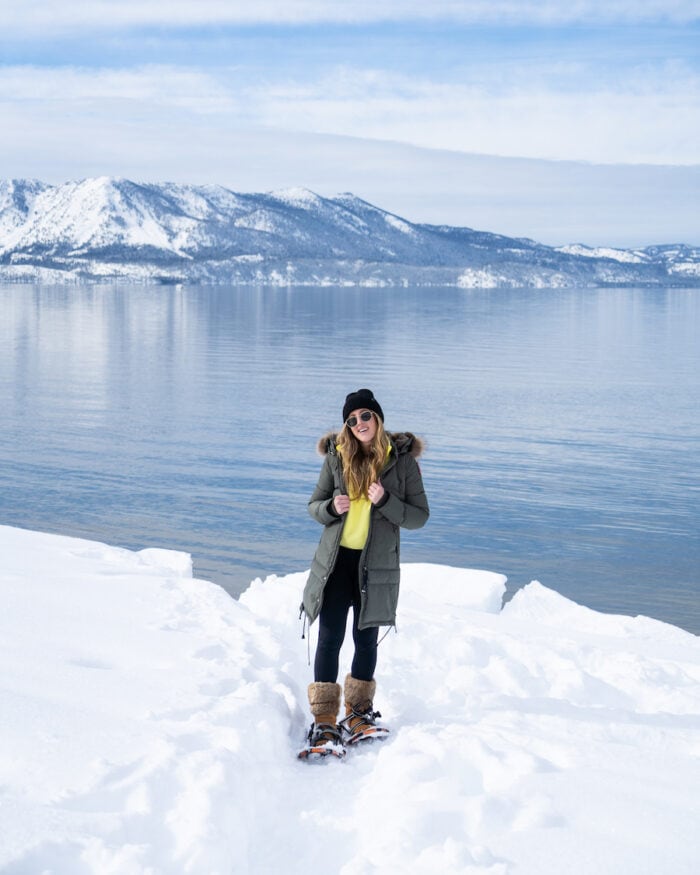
(343, 591)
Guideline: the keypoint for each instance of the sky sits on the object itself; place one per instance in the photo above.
(396, 100)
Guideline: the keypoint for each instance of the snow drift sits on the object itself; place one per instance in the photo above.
(150, 724)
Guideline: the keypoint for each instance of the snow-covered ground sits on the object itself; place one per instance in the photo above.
(629, 255)
(149, 724)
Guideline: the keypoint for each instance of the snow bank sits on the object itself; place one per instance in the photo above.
(150, 724)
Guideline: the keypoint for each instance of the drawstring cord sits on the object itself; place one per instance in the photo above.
(302, 614)
(387, 632)
(304, 621)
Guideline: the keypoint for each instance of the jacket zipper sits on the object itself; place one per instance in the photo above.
(363, 563)
(331, 565)
(364, 571)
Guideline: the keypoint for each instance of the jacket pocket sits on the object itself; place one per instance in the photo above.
(382, 600)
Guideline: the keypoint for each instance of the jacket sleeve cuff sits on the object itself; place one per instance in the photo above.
(392, 508)
(383, 500)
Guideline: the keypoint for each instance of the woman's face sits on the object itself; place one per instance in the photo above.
(363, 431)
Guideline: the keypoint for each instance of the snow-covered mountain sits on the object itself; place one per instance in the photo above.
(116, 229)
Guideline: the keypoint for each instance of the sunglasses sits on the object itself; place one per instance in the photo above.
(353, 420)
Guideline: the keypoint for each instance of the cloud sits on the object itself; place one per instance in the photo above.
(34, 16)
(76, 89)
(653, 117)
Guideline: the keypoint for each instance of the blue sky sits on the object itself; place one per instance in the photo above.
(254, 88)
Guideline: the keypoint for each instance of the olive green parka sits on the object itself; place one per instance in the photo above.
(404, 504)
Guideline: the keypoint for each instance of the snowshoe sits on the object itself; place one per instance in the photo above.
(360, 726)
(323, 740)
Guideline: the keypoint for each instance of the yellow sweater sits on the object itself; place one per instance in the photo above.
(356, 525)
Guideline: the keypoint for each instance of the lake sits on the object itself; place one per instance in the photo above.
(562, 426)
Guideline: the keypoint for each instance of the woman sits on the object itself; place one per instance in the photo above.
(369, 486)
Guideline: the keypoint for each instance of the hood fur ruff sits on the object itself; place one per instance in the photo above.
(405, 442)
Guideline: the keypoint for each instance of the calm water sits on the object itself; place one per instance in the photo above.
(563, 427)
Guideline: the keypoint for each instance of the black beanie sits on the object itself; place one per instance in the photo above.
(362, 398)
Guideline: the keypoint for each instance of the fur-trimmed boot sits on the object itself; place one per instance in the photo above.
(325, 737)
(359, 723)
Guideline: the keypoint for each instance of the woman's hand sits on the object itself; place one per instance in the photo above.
(341, 503)
(375, 493)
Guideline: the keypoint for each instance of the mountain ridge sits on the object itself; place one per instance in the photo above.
(115, 229)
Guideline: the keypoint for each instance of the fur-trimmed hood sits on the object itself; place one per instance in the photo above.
(404, 441)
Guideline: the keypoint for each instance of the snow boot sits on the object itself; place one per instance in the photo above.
(325, 737)
(359, 723)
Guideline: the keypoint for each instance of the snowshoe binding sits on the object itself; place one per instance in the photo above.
(324, 740)
(360, 726)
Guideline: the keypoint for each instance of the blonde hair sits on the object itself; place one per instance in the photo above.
(362, 463)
